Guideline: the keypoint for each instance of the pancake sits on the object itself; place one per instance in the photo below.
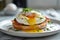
(19, 26)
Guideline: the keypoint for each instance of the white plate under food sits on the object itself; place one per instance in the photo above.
(6, 24)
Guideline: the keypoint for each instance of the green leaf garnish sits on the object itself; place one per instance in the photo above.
(48, 29)
(27, 9)
(50, 22)
(41, 18)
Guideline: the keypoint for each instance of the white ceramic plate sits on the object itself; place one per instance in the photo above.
(6, 24)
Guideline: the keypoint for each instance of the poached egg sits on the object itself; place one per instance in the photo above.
(39, 18)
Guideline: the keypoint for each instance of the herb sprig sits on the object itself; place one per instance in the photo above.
(27, 9)
(50, 22)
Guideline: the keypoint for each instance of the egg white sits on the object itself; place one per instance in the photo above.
(24, 20)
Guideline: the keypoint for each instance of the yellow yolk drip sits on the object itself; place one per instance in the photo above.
(33, 31)
(41, 30)
(31, 21)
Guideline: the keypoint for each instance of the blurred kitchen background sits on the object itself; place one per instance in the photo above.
(33, 3)
(12, 7)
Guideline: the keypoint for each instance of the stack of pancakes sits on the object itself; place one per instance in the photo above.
(32, 20)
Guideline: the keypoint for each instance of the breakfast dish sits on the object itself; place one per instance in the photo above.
(30, 23)
(30, 20)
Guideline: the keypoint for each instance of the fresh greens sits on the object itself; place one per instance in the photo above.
(27, 9)
(50, 22)
(41, 18)
(48, 29)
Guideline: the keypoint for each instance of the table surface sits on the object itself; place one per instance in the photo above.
(4, 36)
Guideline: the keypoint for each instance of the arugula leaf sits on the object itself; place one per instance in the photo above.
(27, 9)
(41, 18)
(50, 22)
(48, 29)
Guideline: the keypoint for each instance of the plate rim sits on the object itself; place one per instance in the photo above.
(25, 32)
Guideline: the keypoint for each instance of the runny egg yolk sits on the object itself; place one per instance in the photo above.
(33, 31)
(31, 19)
